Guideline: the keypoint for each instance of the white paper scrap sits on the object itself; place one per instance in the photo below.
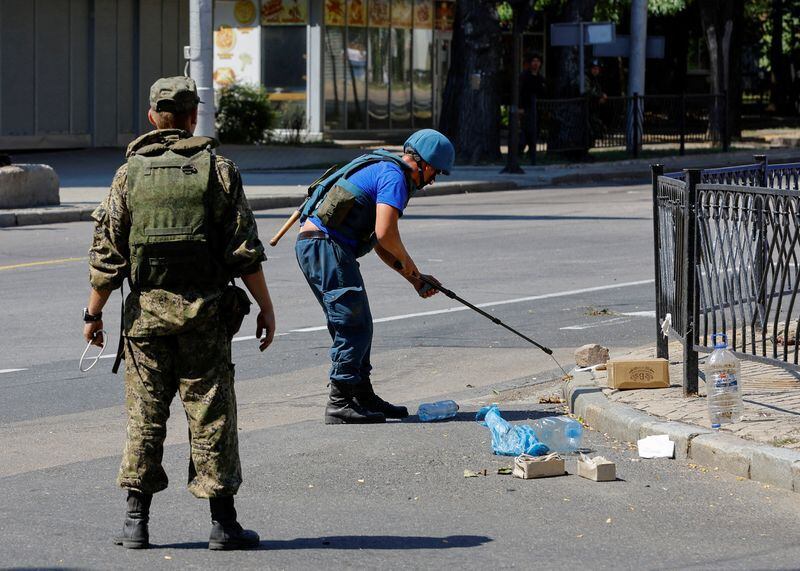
(657, 446)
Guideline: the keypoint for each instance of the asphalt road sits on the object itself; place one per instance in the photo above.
(565, 266)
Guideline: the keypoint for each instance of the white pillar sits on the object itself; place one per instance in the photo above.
(315, 85)
(201, 69)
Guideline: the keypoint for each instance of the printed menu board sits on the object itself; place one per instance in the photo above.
(423, 14)
(357, 13)
(445, 15)
(283, 12)
(334, 12)
(401, 13)
(237, 43)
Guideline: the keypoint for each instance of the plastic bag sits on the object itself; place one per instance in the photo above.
(509, 439)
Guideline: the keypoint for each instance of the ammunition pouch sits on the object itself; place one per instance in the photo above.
(233, 305)
(333, 209)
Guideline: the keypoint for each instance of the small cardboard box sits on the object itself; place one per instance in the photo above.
(528, 467)
(598, 469)
(639, 374)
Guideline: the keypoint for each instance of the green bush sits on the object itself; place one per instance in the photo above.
(244, 114)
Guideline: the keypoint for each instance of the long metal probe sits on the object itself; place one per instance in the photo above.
(452, 295)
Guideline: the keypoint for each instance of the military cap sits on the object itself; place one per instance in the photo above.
(175, 94)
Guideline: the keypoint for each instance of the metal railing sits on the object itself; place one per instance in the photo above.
(581, 123)
(727, 260)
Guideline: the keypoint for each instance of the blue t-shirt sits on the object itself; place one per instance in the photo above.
(383, 182)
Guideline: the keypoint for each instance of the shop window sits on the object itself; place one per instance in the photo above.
(356, 63)
(422, 64)
(378, 58)
(334, 74)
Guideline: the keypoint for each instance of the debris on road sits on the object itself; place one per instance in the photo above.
(473, 474)
(590, 355)
(638, 374)
(528, 467)
(656, 446)
(551, 399)
(507, 439)
(598, 469)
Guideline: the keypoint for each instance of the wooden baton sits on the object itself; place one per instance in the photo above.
(285, 228)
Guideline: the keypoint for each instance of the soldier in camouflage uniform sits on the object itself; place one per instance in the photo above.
(177, 226)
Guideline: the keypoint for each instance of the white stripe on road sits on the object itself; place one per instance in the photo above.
(492, 304)
(11, 370)
(595, 324)
(650, 313)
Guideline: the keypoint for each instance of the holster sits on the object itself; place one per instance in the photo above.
(234, 305)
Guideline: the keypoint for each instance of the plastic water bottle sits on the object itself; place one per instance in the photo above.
(723, 384)
(439, 410)
(559, 433)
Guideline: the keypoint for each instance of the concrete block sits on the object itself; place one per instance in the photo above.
(7, 219)
(796, 476)
(774, 466)
(33, 217)
(681, 434)
(28, 186)
(621, 422)
(723, 451)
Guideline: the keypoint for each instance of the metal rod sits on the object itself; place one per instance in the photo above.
(492, 318)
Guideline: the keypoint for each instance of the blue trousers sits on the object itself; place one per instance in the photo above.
(335, 278)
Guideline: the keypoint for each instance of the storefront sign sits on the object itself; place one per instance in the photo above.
(401, 13)
(283, 12)
(237, 43)
(445, 15)
(423, 14)
(379, 14)
(334, 12)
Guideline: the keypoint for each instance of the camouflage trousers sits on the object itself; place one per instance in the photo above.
(197, 365)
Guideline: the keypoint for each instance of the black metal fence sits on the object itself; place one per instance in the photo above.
(578, 124)
(727, 260)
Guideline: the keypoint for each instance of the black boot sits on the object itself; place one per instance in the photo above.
(226, 533)
(343, 408)
(135, 534)
(366, 397)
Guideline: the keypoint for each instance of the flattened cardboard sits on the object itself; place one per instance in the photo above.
(597, 469)
(529, 467)
(638, 374)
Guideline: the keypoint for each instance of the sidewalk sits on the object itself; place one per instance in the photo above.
(763, 446)
(277, 176)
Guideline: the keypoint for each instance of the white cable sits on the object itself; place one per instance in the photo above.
(100, 354)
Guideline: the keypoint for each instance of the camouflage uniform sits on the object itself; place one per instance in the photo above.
(178, 341)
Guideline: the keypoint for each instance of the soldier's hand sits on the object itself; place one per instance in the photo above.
(92, 333)
(265, 324)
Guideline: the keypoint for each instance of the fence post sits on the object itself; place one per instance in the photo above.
(726, 138)
(662, 347)
(534, 127)
(682, 123)
(760, 239)
(635, 125)
(688, 287)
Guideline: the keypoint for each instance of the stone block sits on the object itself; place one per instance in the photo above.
(28, 186)
(774, 466)
(723, 451)
(7, 219)
(590, 355)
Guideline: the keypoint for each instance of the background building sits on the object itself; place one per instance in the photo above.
(76, 73)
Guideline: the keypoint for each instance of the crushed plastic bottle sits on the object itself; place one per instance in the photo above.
(559, 433)
(723, 384)
(438, 410)
(508, 439)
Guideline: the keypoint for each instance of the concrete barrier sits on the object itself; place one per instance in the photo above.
(28, 186)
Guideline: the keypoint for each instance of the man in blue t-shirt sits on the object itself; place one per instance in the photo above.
(359, 212)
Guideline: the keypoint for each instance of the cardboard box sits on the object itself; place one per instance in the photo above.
(528, 467)
(598, 469)
(639, 374)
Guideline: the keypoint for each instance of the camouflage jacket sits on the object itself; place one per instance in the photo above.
(155, 312)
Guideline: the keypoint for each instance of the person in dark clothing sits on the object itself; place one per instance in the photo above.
(532, 85)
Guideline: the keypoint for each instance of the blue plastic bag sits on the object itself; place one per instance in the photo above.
(508, 439)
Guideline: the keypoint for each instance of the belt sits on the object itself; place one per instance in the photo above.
(312, 235)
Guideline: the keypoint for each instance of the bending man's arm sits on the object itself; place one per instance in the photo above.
(391, 250)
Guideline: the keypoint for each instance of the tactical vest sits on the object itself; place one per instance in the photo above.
(344, 207)
(171, 242)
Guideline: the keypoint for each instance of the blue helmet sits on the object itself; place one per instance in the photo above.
(433, 148)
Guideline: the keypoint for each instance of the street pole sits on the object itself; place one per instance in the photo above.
(512, 162)
(581, 63)
(201, 36)
(636, 72)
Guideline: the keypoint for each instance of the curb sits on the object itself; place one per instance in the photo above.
(55, 215)
(760, 462)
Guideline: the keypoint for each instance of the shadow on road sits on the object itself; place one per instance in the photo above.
(388, 542)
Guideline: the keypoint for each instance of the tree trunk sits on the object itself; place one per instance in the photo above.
(724, 55)
(471, 102)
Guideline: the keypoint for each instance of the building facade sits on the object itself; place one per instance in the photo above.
(76, 73)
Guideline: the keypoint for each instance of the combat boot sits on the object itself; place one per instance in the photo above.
(226, 533)
(343, 408)
(135, 533)
(366, 397)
